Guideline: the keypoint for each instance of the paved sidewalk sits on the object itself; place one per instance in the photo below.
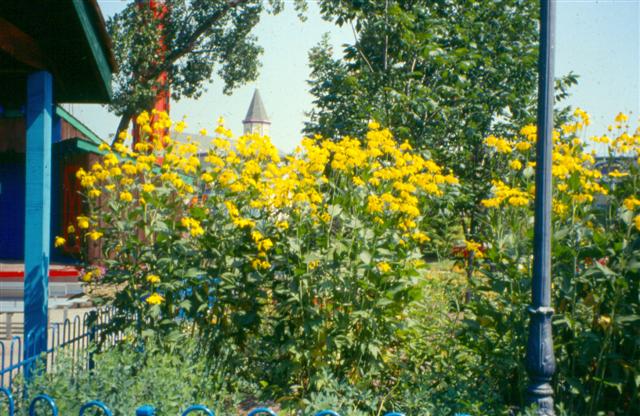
(12, 315)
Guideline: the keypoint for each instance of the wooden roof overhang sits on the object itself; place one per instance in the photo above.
(68, 38)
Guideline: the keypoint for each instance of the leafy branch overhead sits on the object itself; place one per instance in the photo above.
(191, 40)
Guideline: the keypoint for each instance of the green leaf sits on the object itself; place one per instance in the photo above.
(365, 257)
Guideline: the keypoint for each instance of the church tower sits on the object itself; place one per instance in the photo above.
(256, 120)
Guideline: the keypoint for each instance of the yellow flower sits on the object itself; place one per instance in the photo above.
(143, 118)
(313, 264)
(560, 208)
(383, 267)
(374, 204)
(94, 193)
(518, 201)
(180, 126)
(193, 225)
(631, 203)
(207, 177)
(474, 247)
(59, 242)
(83, 222)
(491, 202)
(501, 145)
(636, 221)
(87, 277)
(617, 174)
(515, 164)
(129, 169)
(243, 223)
(523, 146)
(71, 229)
(256, 236)
(621, 118)
(420, 237)
(283, 225)
(604, 321)
(87, 181)
(95, 235)
(126, 196)
(260, 264)
(153, 278)
(148, 187)
(155, 299)
(265, 245)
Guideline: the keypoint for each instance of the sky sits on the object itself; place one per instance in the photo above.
(598, 40)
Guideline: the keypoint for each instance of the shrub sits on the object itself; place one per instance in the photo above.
(127, 376)
(302, 263)
(595, 274)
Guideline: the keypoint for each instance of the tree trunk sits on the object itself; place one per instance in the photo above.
(122, 125)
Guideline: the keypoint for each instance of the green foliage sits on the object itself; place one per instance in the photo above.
(429, 374)
(128, 376)
(305, 265)
(595, 279)
(441, 74)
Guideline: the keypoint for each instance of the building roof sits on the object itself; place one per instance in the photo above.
(88, 135)
(65, 37)
(256, 112)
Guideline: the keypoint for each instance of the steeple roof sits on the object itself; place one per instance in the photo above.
(256, 112)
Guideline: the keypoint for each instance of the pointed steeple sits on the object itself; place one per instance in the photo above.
(256, 120)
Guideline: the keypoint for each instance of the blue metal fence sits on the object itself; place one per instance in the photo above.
(145, 410)
(7, 400)
(73, 335)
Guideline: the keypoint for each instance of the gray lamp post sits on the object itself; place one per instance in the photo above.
(540, 360)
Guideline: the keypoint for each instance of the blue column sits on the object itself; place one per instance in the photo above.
(540, 360)
(37, 214)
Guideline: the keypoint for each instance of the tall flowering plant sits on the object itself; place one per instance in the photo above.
(595, 278)
(311, 260)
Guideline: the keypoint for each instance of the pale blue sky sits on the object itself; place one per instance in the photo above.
(599, 40)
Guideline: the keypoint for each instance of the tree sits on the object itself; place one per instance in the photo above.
(190, 41)
(441, 74)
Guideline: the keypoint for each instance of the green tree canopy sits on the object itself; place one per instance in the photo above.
(200, 37)
(441, 74)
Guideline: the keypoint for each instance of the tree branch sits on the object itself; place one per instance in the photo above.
(191, 42)
(176, 54)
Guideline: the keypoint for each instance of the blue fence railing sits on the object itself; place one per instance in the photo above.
(52, 409)
(73, 335)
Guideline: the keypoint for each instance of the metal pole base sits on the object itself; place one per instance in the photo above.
(540, 394)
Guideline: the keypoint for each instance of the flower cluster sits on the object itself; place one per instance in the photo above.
(244, 193)
(577, 179)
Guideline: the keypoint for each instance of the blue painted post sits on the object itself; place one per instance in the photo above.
(540, 360)
(37, 214)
